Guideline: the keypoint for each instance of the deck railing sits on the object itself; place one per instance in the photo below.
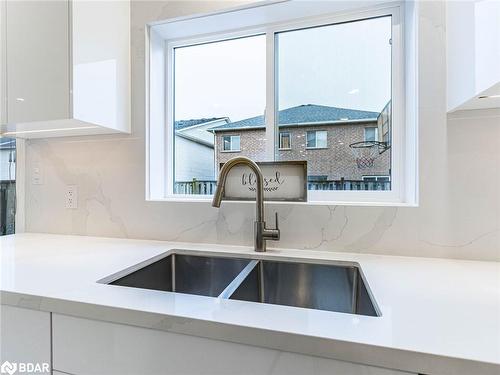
(207, 187)
(348, 185)
(195, 187)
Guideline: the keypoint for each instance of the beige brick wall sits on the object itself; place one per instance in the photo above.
(336, 161)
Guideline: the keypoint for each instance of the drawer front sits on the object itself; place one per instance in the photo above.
(25, 336)
(83, 346)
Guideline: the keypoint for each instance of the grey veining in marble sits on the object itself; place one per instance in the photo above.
(459, 177)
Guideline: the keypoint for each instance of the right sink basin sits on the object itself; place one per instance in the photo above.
(308, 285)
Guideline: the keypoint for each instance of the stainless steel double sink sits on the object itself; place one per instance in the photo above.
(325, 285)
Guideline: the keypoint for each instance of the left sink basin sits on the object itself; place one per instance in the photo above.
(192, 274)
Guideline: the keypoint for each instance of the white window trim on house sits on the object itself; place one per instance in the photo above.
(231, 149)
(316, 147)
(280, 148)
(163, 37)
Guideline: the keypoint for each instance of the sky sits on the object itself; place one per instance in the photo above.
(345, 65)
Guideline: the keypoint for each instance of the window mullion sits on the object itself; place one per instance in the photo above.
(271, 94)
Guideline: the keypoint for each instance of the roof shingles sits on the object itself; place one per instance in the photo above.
(182, 124)
(303, 114)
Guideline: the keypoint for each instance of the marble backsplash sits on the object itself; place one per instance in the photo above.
(459, 205)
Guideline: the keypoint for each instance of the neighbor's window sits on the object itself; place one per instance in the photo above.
(317, 139)
(231, 143)
(285, 143)
(371, 134)
(329, 84)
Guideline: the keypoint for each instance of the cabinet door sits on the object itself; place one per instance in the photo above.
(83, 346)
(37, 54)
(3, 66)
(25, 336)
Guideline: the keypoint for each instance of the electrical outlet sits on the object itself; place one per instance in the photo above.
(71, 197)
(37, 175)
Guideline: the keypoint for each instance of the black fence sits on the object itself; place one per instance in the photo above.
(200, 187)
(195, 187)
(349, 185)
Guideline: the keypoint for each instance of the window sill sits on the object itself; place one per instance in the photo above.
(207, 200)
(316, 148)
(230, 151)
(284, 149)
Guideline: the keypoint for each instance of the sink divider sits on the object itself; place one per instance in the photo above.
(173, 271)
(233, 285)
(354, 290)
(261, 284)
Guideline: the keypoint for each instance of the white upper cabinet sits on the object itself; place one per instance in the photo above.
(65, 68)
(473, 54)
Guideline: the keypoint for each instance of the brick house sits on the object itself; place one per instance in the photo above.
(319, 134)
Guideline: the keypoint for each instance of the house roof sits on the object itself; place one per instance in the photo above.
(307, 114)
(198, 130)
(182, 124)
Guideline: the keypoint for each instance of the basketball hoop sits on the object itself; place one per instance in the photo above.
(366, 152)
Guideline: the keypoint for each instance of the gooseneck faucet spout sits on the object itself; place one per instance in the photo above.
(261, 233)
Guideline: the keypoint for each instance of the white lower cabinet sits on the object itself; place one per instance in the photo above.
(82, 346)
(25, 337)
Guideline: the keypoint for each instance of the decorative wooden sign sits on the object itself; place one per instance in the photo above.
(283, 181)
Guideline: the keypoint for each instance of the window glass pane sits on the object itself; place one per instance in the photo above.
(337, 78)
(311, 139)
(219, 89)
(370, 134)
(227, 143)
(235, 143)
(284, 140)
(321, 139)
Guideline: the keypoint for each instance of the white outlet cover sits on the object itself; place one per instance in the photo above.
(37, 175)
(71, 197)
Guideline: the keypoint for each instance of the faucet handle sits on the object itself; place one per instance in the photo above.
(267, 234)
(274, 234)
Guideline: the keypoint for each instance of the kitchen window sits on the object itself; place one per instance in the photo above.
(331, 79)
(231, 143)
(285, 141)
(317, 139)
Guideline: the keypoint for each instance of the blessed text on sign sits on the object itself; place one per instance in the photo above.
(283, 181)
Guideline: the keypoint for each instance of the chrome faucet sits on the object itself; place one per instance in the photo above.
(261, 233)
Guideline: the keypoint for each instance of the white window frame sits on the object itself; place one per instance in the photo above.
(404, 189)
(316, 147)
(231, 136)
(280, 148)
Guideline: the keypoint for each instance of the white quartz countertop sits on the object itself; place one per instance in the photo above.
(439, 316)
